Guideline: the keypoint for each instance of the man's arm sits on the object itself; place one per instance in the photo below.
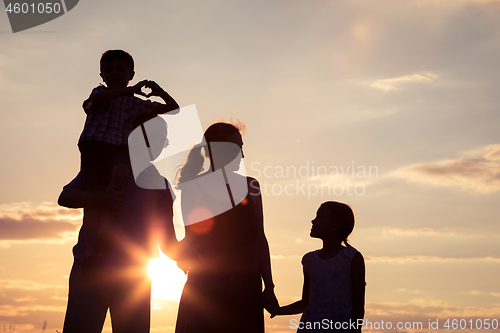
(72, 196)
(164, 231)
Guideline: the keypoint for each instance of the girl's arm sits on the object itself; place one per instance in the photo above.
(299, 306)
(358, 290)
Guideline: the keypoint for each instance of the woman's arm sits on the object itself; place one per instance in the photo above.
(358, 289)
(270, 300)
(264, 254)
(188, 255)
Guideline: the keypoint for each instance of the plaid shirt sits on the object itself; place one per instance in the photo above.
(111, 121)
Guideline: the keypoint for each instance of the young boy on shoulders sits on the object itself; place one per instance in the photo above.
(110, 111)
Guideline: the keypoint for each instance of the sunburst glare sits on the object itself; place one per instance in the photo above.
(167, 279)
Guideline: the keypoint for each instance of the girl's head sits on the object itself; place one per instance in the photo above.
(223, 145)
(333, 220)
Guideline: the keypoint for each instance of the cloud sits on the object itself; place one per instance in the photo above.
(478, 170)
(14, 311)
(27, 285)
(30, 228)
(42, 211)
(414, 259)
(37, 222)
(397, 83)
(422, 309)
(423, 232)
(478, 1)
(416, 315)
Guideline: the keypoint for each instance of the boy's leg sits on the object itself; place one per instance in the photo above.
(119, 178)
(107, 216)
(87, 304)
(94, 157)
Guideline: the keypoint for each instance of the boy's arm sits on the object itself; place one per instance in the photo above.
(75, 197)
(108, 94)
(170, 103)
(299, 306)
(358, 289)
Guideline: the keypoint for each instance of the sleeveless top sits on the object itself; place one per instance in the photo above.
(223, 292)
(330, 284)
(227, 242)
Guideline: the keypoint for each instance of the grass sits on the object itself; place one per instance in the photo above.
(12, 328)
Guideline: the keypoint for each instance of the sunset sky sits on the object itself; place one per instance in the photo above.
(390, 106)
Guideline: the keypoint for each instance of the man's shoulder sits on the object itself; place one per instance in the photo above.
(253, 186)
(151, 179)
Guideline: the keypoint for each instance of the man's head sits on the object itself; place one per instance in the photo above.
(154, 131)
(117, 68)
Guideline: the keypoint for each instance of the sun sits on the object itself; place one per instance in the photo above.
(167, 279)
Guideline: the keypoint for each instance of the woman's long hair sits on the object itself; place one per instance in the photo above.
(217, 132)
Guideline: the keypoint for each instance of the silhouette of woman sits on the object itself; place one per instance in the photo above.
(223, 218)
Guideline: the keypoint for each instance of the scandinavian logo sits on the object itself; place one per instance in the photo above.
(162, 146)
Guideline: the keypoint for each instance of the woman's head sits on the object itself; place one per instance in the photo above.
(333, 219)
(224, 132)
(223, 145)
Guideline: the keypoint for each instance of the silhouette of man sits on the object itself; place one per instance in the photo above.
(143, 221)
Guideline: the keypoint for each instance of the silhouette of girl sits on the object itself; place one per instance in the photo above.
(222, 212)
(333, 295)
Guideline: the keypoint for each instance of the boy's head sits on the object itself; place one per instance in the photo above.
(117, 68)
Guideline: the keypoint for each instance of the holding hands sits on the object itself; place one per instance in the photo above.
(188, 258)
(270, 301)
